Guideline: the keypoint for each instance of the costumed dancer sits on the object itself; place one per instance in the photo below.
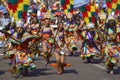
(102, 16)
(60, 49)
(110, 29)
(35, 30)
(47, 36)
(10, 30)
(80, 23)
(71, 35)
(89, 48)
(111, 54)
(18, 52)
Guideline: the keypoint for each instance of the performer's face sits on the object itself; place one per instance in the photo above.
(47, 22)
(34, 19)
(19, 29)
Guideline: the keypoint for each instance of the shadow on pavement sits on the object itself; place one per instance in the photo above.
(70, 71)
(52, 61)
(75, 54)
(117, 70)
(97, 61)
(2, 72)
(39, 72)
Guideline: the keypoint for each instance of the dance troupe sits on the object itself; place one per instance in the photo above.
(57, 35)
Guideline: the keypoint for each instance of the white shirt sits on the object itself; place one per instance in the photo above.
(4, 22)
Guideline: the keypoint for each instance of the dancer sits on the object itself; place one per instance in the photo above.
(110, 29)
(90, 49)
(71, 35)
(111, 54)
(18, 51)
(48, 40)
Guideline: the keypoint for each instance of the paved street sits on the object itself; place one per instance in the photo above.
(78, 71)
(88, 26)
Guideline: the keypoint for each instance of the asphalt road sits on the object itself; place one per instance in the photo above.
(78, 71)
